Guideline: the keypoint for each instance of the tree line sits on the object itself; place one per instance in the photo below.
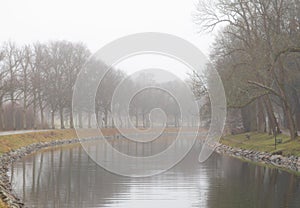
(257, 53)
(37, 83)
(37, 80)
(136, 98)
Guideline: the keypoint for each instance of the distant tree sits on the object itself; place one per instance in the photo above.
(105, 92)
(11, 64)
(3, 85)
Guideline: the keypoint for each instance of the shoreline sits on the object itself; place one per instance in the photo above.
(289, 164)
(7, 195)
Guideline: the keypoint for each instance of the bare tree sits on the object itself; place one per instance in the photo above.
(12, 63)
(255, 32)
(25, 87)
(3, 85)
(105, 92)
(39, 65)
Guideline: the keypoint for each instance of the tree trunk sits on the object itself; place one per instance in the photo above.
(106, 118)
(41, 110)
(61, 115)
(144, 125)
(34, 111)
(52, 119)
(2, 117)
(261, 118)
(80, 119)
(273, 123)
(89, 120)
(24, 110)
(297, 115)
(290, 119)
(13, 114)
(136, 119)
(97, 116)
(42, 117)
(286, 105)
(24, 118)
(120, 120)
(71, 119)
(296, 109)
(249, 119)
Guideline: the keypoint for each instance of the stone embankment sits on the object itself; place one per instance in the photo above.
(6, 193)
(275, 159)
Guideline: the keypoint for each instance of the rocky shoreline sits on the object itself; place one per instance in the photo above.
(6, 193)
(291, 163)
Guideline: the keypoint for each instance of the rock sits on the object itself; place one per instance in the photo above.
(298, 163)
(277, 153)
(275, 157)
(262, 156)
(237, 154)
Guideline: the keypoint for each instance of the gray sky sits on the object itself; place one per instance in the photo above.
(96, 22)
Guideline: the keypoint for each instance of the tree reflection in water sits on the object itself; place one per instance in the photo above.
(67, 177)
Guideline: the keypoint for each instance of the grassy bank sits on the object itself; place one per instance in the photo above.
(2, 205)
(16, 141)
(263, 143)
(13, 142)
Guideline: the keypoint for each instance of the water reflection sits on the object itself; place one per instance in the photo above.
(67, 177)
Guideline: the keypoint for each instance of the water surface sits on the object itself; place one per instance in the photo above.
(67, 177)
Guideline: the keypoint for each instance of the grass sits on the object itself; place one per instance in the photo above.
(2, 205)
(13, 142)
(263, 143)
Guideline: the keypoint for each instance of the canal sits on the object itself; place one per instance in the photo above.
(67, 177)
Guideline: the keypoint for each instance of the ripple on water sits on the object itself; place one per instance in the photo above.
(67, 177)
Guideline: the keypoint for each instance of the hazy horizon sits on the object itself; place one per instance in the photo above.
(96, 23)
